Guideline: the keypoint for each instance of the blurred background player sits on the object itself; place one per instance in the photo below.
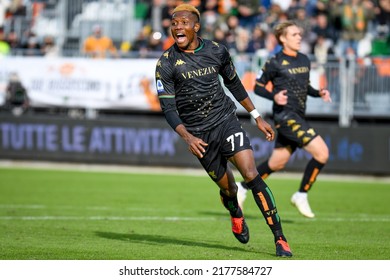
(288, 72)
(197, 108)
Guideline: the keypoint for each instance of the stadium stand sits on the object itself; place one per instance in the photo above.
(363, 77)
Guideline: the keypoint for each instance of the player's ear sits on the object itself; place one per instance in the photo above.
(282, 39)
(197, 27)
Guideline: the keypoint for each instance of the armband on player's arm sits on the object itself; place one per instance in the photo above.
(172, 118)
(261, 90)
(236, 88)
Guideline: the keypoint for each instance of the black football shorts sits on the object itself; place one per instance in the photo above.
(223, 141)
(293, 131)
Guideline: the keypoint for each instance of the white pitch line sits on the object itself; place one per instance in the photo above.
(33, 206)
(110, 218)
(156, 218)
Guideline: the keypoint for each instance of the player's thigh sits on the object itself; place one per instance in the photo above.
(244, 161)
(279, 158)
(318, 149)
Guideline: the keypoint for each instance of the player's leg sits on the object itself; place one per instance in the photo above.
(276, 162)
(228, 193)
(245, 163)
(217, 168)
(319, 150)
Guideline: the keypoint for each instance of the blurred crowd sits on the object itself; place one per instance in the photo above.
(16, 33)
(339, 27)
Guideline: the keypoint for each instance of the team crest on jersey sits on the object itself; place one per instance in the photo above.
(212, 174)
(285, 62)
(179, 62)
(159, 85)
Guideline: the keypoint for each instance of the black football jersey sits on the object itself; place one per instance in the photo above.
(189, 82)
(291, 73)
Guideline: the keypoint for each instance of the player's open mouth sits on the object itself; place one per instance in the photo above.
(180, 37)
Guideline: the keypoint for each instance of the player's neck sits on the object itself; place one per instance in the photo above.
(199, 44)
(290, 52)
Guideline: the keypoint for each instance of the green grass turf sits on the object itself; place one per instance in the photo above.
(72, 215)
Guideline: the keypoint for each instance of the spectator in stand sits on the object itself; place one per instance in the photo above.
(257, 41)
(32, 47)
(231, 31)
(219, 36)
(248, 12)
(302, 20)
(355, 16)
(141, 42)
(98, 45)
(16, 8)
(274, 16)
(154, 15)
(13, 40)
(284, 5)
(323, 29)
(166, 14)
(49, 47)
(5, 49)
(210, 18)
(240, 53)
(322, 49)
(15, 12)
(271, 44)
(321, 7)
(16, 99)
(383, 18)
(4, 4)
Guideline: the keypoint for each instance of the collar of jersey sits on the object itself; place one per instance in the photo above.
(290, 53)
(201, 45)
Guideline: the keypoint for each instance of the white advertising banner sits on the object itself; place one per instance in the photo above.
(84, 83)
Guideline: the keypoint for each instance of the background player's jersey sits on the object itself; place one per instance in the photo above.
(189, 83)
(291, 73)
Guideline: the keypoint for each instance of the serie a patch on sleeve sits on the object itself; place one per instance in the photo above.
(160, 87)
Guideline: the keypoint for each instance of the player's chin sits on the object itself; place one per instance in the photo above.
(183, 44)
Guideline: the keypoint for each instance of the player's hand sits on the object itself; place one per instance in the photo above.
(196, 146)
(325, 95)
(281, 97)
(265, 128)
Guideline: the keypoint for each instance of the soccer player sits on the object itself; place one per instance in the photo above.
(288, 74)
(197, 108)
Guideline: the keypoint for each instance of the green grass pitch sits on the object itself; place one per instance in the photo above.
(48, 214)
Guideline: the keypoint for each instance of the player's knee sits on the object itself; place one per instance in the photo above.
(249, 174)
(276, 166)
(323, 156)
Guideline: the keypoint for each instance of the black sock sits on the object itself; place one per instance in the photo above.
(231, 204)
(312, 170)
(264, 171)
(266, 203)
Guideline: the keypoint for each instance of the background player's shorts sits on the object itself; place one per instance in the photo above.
(293, 131)
(223, 141)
